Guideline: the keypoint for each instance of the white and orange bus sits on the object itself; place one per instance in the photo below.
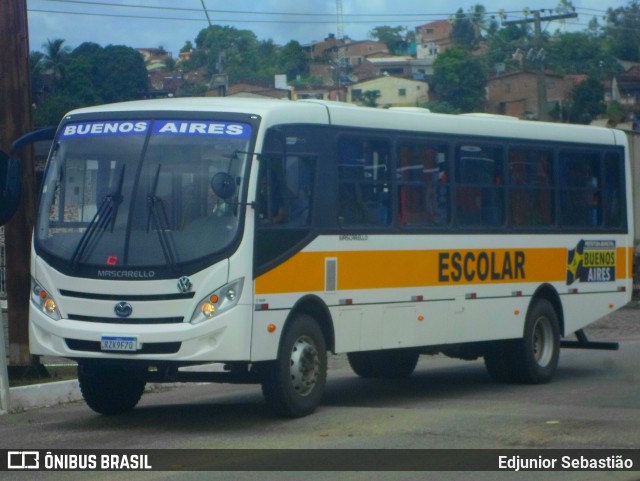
(263, 234)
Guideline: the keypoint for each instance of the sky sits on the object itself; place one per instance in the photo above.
(169, 23)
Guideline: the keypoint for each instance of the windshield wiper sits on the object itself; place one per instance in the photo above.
(105, 216)
(158, 216)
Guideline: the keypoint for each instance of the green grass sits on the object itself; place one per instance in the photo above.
(56, 372)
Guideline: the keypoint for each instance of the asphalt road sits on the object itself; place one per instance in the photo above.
(593, 402)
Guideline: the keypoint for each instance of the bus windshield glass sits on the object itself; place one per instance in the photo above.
(136, 194)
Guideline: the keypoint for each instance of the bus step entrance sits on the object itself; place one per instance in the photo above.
(583, 342)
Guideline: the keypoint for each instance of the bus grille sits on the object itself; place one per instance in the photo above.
(128, 320)
(147, 348)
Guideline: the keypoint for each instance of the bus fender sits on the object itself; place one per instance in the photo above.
(548, 292)
(315, 307)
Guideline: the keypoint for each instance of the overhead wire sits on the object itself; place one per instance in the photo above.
(257, 12)
(351, 18)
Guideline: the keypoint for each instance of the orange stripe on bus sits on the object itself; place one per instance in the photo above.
(305, 271)
(624, 262)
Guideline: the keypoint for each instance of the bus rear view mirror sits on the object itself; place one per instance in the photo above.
(9, 187)
(223, 185)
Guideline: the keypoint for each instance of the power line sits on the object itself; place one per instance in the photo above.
(219, 20)
(231, 20)
(403, 18)
(255, 12)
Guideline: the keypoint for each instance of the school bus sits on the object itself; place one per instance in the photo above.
(256, 236)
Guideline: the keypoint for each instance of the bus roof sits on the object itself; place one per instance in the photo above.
(274, 112)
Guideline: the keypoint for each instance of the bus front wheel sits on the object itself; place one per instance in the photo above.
(110, 389)
(293, 384)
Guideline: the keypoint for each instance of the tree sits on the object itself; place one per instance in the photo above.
(370, 98)
(170, 64)
(55, 59)
(36, 70)
(94, 75)
(586, 101)
(459, 79)
(268, 60)
(225, 49)
(509, 45)
(622, 31)
(85, 49)
(467, 28)
(580, 52)
(395, 38)
(120, 74)
(293, 60)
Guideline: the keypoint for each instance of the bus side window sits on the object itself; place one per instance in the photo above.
(580, 189)
(299, 185)
(530, 186)
(614, 198)
(479, 185)
(271, 204)
(363, 171)
(285, 190)
(423, 190)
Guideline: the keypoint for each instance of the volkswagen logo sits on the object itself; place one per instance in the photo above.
(184, 284)
(123, 309)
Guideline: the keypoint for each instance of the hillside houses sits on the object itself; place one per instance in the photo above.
(515, 93)
(345, 69)
(393, 92)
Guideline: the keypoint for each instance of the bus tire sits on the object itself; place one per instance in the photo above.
(110, 389)
(498, 360)
(293, 384)
(388, 364)
(536, 354)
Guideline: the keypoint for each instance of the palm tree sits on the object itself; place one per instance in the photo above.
(35, 67)
(54, 59)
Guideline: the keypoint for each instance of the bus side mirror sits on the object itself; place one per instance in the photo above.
(9, 187)
(223, 185)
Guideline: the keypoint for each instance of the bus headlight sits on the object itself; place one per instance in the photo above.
(218, 301)
(43, 299)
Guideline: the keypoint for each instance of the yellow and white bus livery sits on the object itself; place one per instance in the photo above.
(263, 234)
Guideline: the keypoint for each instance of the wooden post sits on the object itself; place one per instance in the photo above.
(16, 120)
(541, 88)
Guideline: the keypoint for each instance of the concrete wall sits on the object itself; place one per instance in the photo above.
(634, 151)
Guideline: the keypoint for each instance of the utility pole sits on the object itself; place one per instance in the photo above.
(15, 121)
(541, 87)
(206, 12)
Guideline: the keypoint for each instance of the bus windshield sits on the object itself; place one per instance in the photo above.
(136, 194)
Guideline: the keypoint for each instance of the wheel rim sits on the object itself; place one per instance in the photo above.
(543, 341)
(305, 366)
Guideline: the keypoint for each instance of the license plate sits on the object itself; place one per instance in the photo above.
(115, 343)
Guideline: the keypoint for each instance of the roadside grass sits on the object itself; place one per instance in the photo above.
(54, 373)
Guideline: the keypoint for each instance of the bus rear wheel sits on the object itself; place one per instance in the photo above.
(389, 364)
(110, 389)
(293, 384)
(534, 358)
